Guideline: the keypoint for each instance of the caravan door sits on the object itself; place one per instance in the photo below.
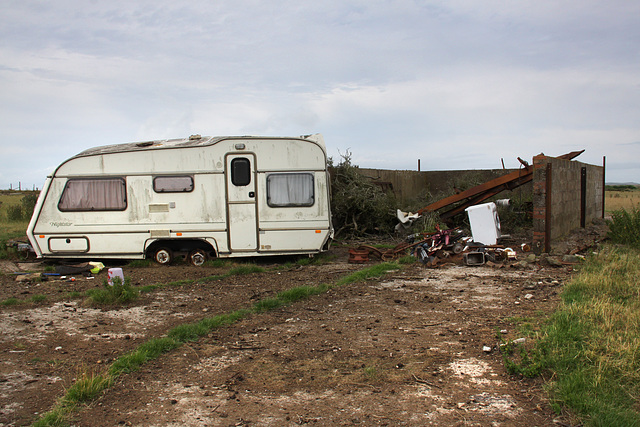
(241, 202)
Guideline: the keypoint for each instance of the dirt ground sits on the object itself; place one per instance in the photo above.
(416, 347)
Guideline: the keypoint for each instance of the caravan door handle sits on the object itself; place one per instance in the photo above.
(252, 194)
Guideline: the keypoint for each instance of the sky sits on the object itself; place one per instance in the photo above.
(457, 84)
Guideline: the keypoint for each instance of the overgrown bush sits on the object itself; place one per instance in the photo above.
(24, 210)
(14, 213)
(624, 227)
(358, 207)
(28, 203)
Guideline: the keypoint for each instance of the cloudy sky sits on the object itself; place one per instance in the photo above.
(459, 84)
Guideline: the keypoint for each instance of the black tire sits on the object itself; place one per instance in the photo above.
(198, 257)
(163, 256)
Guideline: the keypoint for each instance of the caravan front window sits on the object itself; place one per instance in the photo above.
(94, 194)
(290, 189)
(240, 171)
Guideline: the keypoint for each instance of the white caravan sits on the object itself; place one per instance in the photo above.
(200, 197)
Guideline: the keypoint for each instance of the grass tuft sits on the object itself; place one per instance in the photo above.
(374, 271)
(87, 387)
(38, 298)
(119, 293)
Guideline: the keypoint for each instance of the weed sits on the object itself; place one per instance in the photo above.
(188, 332)
(216, 263)
(407, 259)
(267, 304)
(140, 263)
(87, 387)
(10, 301)
(624, 227)
(38, 298)
(56, 417)
(304, 261)
(119, 293)
(376, 270)
(370, 372)
(148, 288)
(145, 352)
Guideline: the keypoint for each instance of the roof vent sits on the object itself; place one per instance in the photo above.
(194, 137)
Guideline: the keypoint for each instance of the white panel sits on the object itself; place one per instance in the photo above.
(242, 226)
(68, 244)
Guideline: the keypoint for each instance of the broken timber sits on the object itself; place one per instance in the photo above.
(482, 192)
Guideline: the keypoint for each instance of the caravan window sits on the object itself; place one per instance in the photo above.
(290, 189)
(173, 184)
(94, 194)
(240, 171)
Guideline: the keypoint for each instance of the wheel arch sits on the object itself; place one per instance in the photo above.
(181, 245)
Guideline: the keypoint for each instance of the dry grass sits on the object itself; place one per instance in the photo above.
(616, 200)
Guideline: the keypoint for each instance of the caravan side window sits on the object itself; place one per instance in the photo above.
(290, 189)
(94, 194)
(173, 184)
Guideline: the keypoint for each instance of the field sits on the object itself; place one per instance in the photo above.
(415, 346)
(616, 200)
(11, 229)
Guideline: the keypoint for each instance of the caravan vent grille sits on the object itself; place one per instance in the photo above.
(158, 207)
(160, 233)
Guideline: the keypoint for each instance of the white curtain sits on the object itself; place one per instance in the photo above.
(290, 189)
(94, 194)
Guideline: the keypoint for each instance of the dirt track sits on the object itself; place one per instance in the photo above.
(403, 350)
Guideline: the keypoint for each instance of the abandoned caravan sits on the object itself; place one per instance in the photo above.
(197, 197)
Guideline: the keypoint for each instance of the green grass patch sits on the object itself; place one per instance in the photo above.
(374, 271)
(407, 259)
(590, 346)
(147, 351)
(140, 263)
(10, 301)
(118, 293)
(38, 298)
(87, 387)
(216, 263)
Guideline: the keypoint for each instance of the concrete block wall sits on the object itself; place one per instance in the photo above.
(566, 195)
(408, 186)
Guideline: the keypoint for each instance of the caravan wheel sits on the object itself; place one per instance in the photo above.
(197, 257)
(163, 256)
